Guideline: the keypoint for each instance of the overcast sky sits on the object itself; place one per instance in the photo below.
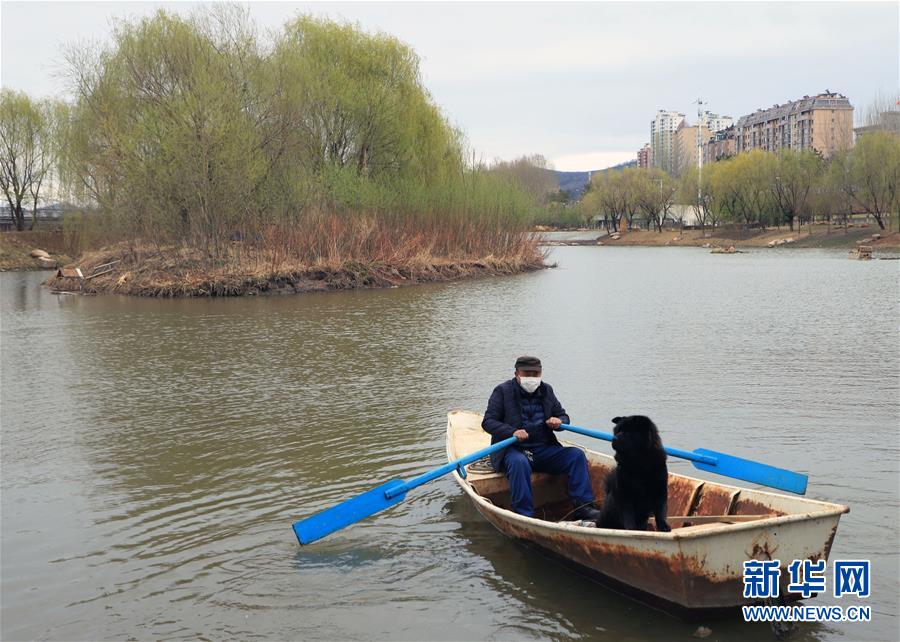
(576, 82)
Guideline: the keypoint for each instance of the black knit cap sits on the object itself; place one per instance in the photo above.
(528, 363)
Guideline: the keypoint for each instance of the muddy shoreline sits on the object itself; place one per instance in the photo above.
(819, 238)
(176, 275)
(16, 248)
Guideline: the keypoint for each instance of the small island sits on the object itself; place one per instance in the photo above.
(208, 160)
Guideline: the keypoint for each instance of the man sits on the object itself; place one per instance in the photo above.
(525, 407)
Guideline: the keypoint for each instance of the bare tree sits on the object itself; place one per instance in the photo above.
(882, 112)
(533, 173)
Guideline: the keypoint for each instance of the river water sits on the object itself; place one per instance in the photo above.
(156, 452)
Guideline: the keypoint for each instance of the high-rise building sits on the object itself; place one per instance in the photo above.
(662, 139)
(823, 123)
(643, 156)
(713, 122)
(686, 150)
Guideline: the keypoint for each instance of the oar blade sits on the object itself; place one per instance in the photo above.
(349, 512)
(753, 471)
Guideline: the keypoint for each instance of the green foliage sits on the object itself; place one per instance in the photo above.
(549, 205)
(629, 192)
(165, 131)
(354, 99)
(532, 173)
(562, 215)
(794, 175)
(194, 129)
(31, 135)
(869, 175)
(607, 197)
(654, 191)
(714, 192)
(762, 188)
(740, 189)
(560, 196)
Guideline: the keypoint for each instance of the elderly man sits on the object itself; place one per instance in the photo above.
(526, 407)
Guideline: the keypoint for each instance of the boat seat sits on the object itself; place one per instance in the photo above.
(549, 491)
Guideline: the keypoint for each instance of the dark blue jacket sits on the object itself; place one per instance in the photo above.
(504, 415)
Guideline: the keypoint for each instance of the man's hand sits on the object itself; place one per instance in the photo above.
(554, 423)
(520, 434)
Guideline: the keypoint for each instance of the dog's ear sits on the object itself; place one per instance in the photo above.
(616, 420)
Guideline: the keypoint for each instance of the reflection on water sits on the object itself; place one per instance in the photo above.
(155, 453)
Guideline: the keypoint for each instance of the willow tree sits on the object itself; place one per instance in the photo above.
(715, 195)
(826, 200)
(869, 174)
(606, 198)
(742, 187)
(30, 140)
(533, 173)
(358, 110)
(631, 183)
(793, 175)
(165, 128)
(725, 191)
(654, 195)
(196, 130)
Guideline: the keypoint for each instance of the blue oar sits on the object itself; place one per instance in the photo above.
(393, 492)
(727, 465)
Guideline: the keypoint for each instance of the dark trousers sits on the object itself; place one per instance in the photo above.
(546, 458)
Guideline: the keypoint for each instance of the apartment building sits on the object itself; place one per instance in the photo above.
(721, 145)
(713, 122)
(643, 156)
(823, 123)
(686, 149)
(662, 139)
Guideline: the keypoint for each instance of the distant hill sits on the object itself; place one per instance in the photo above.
(575, 182)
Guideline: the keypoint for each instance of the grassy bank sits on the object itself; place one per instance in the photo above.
(16, 247)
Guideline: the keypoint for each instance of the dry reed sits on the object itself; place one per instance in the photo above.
(325, 253)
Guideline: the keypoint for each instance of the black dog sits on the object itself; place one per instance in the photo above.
(638, 487)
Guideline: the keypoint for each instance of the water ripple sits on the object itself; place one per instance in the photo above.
(155, 453)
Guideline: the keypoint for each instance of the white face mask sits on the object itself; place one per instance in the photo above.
(529, 384)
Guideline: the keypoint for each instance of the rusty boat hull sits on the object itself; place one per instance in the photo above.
(695, 567)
